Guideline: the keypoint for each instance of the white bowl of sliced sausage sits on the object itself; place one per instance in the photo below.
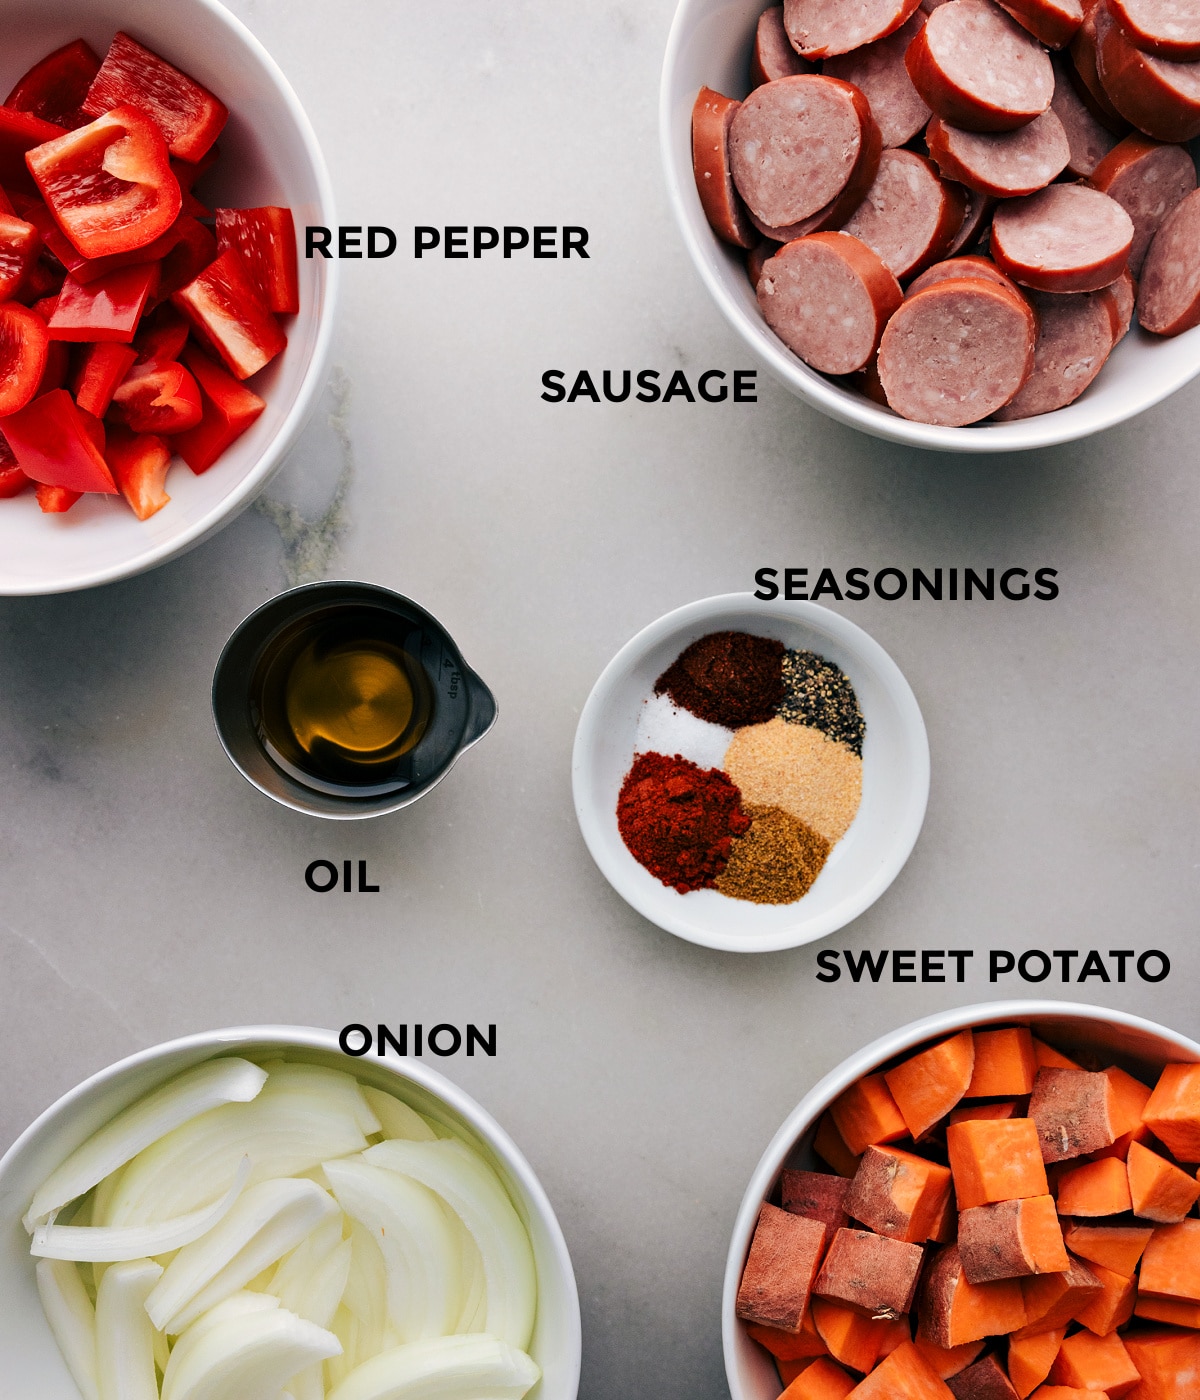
(952, 224)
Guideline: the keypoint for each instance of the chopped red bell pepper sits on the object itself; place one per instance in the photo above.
(229, 409)
(21, 132)
(58, 366)
(139, 463)
(107, 309)
(12, 479)
(266, 239)
(20, 244)
(193, 249)
(101, 368)
(162, 334)
(188, 115)
(158, 396)
(189, 171)
(46, 307)
(24, 347)
(55, 88)
(55, 500)
(227, 313)
(56, 444)
(109, 185)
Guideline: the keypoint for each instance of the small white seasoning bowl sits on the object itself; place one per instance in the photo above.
(1117, 1037)
(269, 155)
(862, 864)
(29, 1356)
(710, 46)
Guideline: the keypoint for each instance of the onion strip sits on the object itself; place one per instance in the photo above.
(253, 1355)
(450, 1368)
(72, 1321)
(124, 1334)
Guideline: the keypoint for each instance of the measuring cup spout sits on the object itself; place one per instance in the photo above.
(483, 710)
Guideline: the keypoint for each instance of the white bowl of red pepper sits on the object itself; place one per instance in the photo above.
(202, 365)
(707, 821)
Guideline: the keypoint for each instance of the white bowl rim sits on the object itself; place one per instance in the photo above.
(1021, 435)
(852, 1068)
(230, 506)
(315, 1038)
(854, 638)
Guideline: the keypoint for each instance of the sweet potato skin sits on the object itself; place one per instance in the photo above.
(783, 1259)
(817, 1196)
(1011, 1239)
(1073, 1110)
(898, 1194)
(953, 1311)
(870, 1272)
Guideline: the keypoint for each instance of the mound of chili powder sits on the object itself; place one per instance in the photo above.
(728, 678)
(679, 820)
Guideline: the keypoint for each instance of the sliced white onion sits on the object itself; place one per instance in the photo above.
(109, 1244)
(303, 1116)
(317, 1295)
(143, 1123)
(473, 1191)
(124, 1334)
(396, 1118)
(446, 1368)
(289, 1279)
(237, 1305)
(269, 1220)
(308, 1384)
(72, 1321)
(251, 1356)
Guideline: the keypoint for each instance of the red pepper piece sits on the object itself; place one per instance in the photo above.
(12, 479)
(56, 444)
(188, 115)
(162, 334)
(194, 249)
(55, 88)
(58, 366)
(139, 463)
(266, 239)
(21, 132)
(101, 368)
(45, 308)
(24, 346)
(189, 171)
(158, 396)
(54, 500)
(192, 206)
(107, 309)
(20, 244)
(109, 185)
(227, 312)
(229, 409)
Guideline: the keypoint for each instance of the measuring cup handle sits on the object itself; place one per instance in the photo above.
(483, 709)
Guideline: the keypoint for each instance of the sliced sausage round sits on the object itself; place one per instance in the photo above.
(1003, 163)
(910, 214)
(1147, 180)
(756, 259)
(1124, 297)
(1054, 22)
(828, 298)
(773, 55)
(1087, 78)
(712, 117)
(1066, 238)
(957, 351)
(975, 220)
(1168, 28)
(818, 28)
(1088, 140)
(1158, 96)
(977, 68)
(794, 145)
(878, 71)
(1168, 299)
(954, 269)
(1075, 338)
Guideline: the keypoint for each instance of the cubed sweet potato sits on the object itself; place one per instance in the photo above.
(1048, 1057)
(823, 1380)
(1116, 1247)
(904, 1375)
(1158, 1189)
(1172, 1112)
(1171, 1310)
(790, 1346)
(1073, 1110)
(780, 1268)
(986, 1380)
(1130, 1097)
(1067, 1392)
(817, 1196)
(870, 1272)
(995, 1160)
(898, 1194)
(965, 1112)
(866, 1114)
(1011, 1239)
(1095, 1188)
(1031, 1357)
(829, 1145)
(947, 1362)
(926, 1086)
(1095, 1363)
(853, 1339)
(1171, 1263)
(1053, 1300)
(1004, 1064)
(789, 1370)
(1112, 1307)
(1167, 1361)
(954, 1311)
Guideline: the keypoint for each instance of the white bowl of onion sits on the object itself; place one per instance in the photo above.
(251, 1212)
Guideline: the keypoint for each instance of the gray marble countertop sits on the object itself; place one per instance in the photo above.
(148, 891)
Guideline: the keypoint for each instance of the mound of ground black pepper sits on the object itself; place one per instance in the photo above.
(819, 694)
(728, 678)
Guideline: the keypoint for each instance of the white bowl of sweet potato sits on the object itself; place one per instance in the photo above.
(995, 1201)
